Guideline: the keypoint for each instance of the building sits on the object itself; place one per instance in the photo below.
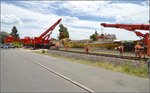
(106, 37)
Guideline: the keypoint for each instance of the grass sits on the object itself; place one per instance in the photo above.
(137, 71)
(128, 68)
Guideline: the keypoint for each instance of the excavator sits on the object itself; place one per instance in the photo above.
(133, 28)
(44, 40)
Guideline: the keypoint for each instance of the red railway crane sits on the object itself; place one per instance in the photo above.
(43, 40)
(133, 27)
(9, 39)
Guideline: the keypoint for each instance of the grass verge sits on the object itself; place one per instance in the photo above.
(128, 68)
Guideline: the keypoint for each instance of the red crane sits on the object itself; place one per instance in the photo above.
(49, 31)
(130, 27)
(43, 39)
(133, 27)
(46, 35)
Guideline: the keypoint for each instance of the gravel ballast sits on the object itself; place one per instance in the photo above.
(91, 58)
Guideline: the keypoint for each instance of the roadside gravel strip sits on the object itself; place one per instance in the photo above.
(62, 76)
(92, 58)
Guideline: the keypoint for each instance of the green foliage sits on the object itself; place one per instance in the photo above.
(17, 44)
(2, 36)
(63, 32)
(110, 46)
(78, 45)
(125, 41)
(82, 45)
(94, 36)
(14, 32)
(96, 33)
(43, 51)
(141, 71)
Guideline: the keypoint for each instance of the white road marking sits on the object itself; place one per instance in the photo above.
(62, 76)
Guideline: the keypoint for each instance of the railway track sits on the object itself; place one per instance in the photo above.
(106, 55)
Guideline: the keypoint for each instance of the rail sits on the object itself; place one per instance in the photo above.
(105, 55)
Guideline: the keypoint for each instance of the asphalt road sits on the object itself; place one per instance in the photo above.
(18, 73)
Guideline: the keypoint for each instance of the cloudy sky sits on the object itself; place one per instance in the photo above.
(81, 18)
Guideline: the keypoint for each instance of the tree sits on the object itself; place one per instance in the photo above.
(14, 32)
(2, 36)
(94, 36)
(63, 32)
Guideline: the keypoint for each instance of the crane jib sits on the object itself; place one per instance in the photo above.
(50, 29)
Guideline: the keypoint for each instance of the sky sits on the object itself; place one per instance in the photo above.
(81, 18)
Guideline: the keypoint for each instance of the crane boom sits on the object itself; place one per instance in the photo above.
(133, 27)
(130, 27)
(50, 29)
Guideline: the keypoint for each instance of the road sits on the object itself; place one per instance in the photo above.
(21, 72)
(20, 75)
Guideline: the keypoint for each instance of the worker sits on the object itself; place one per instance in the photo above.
(87, 48)
(57, 45)
(138, 48)
(121, 49)
(66, 46)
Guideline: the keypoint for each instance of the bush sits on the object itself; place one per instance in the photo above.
(82, 45)
(77, 45)
(17, 44)
(43, 51)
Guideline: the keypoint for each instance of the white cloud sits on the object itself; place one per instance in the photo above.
(10, 19)
(123, 12)
(32, 20)
(75, 22)
(35, 23)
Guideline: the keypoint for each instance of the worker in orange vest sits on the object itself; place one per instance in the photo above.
(87, 47)
(121, 49)
(137, 48)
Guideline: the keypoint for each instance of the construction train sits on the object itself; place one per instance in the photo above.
(45, 41)
(133, 28)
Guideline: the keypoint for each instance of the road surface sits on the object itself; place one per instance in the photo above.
(20, 75)
(21, 72)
